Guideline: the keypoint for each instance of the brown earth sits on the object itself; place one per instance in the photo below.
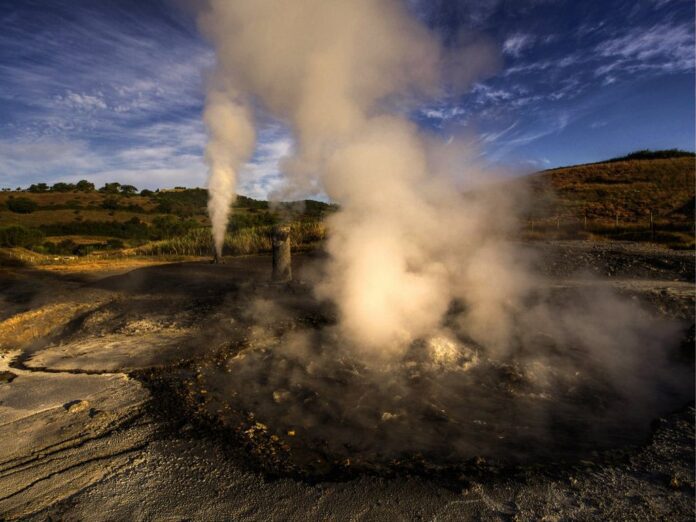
(99, 423)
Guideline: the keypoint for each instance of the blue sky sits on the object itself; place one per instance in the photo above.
(113, 90)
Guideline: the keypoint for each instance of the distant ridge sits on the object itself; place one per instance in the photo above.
(639, 155)
(647, 154)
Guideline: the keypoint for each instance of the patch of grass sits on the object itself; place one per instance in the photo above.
(617, 198)
(250, 240)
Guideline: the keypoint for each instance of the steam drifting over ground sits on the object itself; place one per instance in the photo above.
(343, 75)
(420, 270)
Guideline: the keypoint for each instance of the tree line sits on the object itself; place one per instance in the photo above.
(86, 186)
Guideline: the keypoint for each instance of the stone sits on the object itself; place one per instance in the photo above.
(76, 406)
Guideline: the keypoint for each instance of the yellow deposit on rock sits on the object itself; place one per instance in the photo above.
(76, 406)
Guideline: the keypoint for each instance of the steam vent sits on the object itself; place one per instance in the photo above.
(282, 269)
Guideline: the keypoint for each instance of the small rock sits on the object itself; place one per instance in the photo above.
(93, 412)
(281, 396)
(76, 406)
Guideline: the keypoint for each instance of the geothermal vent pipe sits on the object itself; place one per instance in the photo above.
(282, 270)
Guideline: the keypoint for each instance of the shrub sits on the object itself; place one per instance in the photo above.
(66, 247)
(84, 186)
(38, 187)
(62, 187)
(22, 205)
(110, 188)
(128, 230)
(168, 226)
(114, 244)
(18, 236)
(110, 204)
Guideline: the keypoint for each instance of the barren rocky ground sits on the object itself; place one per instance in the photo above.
(105, 411)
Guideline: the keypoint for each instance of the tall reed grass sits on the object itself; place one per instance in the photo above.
(250, 240)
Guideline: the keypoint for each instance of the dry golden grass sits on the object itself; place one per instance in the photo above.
(629, 189)
(47, 199)
(42, 217)
(22, 328)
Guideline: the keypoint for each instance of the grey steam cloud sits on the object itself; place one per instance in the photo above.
(343, 75)
(417, 263)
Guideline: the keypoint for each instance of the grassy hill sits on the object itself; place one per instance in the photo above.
(618, 198)
(645, 196)
(66, 223)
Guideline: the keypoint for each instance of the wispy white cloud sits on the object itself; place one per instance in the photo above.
(485, 93)
(664, 47)
(82, 101)
(108, 60)
(442, 111)
(515, 44)
(23, 162)
(491, 137)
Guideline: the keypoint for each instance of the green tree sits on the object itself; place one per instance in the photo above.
(38, 187)
(84, 186)
(128, 190)
(110, 188)
(62, 187)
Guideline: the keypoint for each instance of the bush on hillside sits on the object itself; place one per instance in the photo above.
(647, 154)
(18, 236)
(22, 205)
(110, 188)
(63, 187)
(110, 204)
(132, 229)
(164, 227)
(38, 187)
(85, 186)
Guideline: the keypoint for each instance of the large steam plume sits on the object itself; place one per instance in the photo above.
(417, 264)
(342, 75)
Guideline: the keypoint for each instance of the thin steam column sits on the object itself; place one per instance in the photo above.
(282, 269)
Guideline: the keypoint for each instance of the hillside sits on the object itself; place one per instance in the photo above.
(646, 196)
(616, 199)
(65, 220)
